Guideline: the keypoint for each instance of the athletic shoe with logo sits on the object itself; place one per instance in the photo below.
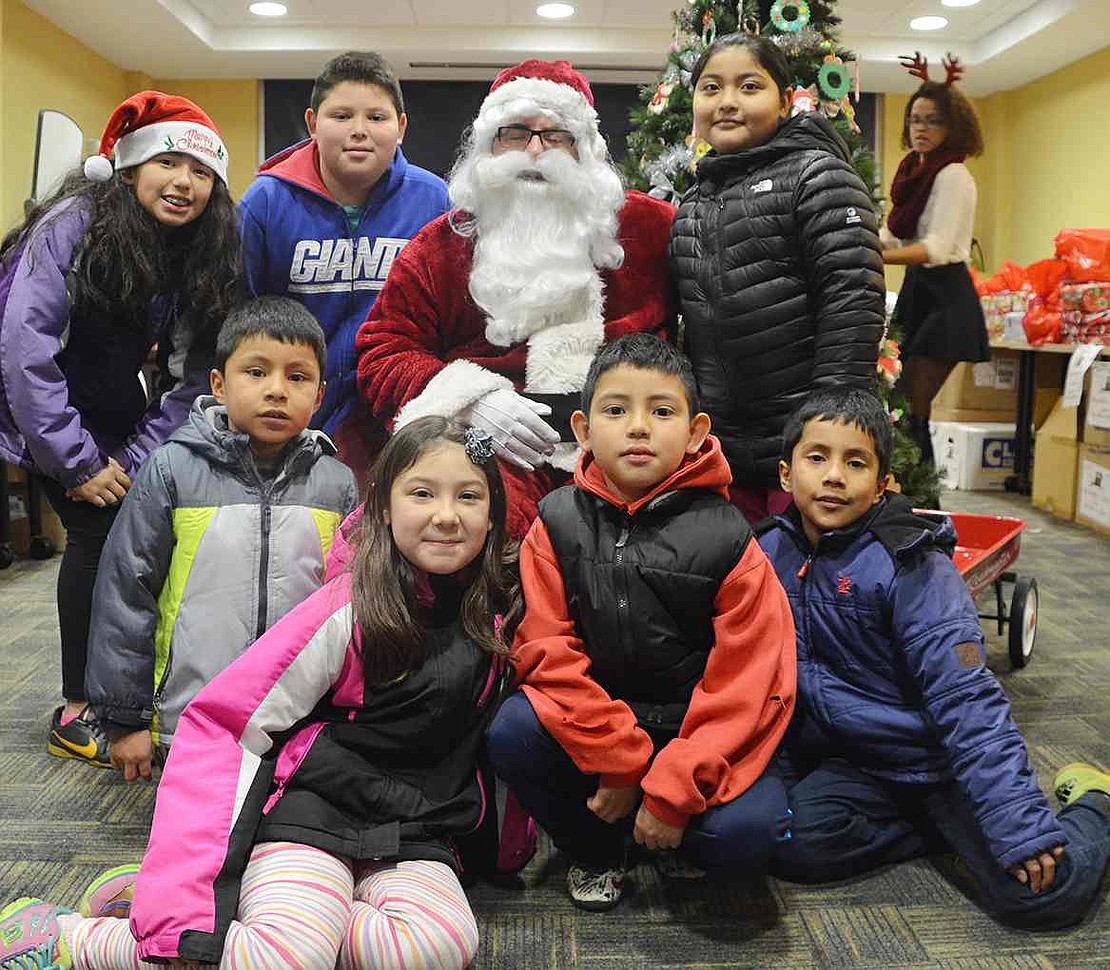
(110, 893)
(1077, 779)
(82, 739)
(595, 890)
(30, 937)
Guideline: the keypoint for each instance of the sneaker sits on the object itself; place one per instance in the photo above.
(110, 893)
(671, 865)
(30, 938)
(82, 739)
(595, 890)
(1077, 779)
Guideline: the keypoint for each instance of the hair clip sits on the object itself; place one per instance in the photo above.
(478, 446)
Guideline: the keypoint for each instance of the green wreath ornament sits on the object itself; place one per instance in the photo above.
(790, 24)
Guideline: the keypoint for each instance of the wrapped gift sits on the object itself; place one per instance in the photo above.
(997, 305)
(1085, 297)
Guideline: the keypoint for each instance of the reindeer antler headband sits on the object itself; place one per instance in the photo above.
(918, 66)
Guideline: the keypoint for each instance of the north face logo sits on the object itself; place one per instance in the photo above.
(765, 186)
(844, 585)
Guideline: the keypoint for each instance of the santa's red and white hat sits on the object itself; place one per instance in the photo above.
(549, 89)
(150, 123)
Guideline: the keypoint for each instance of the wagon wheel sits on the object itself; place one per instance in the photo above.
(1023, 622)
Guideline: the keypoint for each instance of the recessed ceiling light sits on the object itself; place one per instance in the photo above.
(928, 23)
(958, 3)
(268, 9)
(555, 11)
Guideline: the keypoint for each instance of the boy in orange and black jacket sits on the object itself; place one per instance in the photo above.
(657, 656)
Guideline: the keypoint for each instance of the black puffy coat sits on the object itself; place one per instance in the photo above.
(779, 269)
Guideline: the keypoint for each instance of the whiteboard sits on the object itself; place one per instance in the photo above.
(58, 150)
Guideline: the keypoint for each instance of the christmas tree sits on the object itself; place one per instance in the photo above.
(662, 152)
(661, 149)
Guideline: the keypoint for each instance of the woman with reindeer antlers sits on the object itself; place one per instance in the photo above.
(928, 230)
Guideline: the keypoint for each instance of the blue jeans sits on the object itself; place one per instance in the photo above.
(739, 835)
(847, 822)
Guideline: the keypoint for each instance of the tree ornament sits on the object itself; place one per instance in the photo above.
(833, 78)
(708, 27)
(658, 103)
(799, 18)
(803, 101)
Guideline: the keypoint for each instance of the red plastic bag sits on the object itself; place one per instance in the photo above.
(1043, 321)
(1045, 275)
(1009, 278)
(1086, 252)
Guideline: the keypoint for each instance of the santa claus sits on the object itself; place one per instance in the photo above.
(494, 311)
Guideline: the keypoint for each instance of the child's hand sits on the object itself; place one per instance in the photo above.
(652, 833)
(613, 804)
(1039, 871)
(132, 755)
(106, 487)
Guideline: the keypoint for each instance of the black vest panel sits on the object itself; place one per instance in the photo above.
(641, 589)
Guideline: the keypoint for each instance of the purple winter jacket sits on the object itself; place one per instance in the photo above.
(70, 395)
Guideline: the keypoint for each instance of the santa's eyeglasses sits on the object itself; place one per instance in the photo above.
(518, 137)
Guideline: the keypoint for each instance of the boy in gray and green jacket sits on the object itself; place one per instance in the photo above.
(225, 529)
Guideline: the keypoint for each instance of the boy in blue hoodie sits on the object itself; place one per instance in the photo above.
(325, 218)
(902, 741)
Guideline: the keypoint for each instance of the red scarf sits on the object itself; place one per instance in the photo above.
(911, 187)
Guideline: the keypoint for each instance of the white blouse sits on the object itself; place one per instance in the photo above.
(948, 220)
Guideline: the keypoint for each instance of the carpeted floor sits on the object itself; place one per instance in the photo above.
(61, 823)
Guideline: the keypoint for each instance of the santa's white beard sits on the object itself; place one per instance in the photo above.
(540, 240)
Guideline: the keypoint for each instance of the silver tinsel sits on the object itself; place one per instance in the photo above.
(671, 161)
(793, 43)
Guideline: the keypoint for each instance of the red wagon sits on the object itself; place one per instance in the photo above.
(986, 547)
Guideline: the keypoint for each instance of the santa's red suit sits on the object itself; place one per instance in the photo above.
(424, 350)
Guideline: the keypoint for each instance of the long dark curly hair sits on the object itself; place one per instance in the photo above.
(127, 258)
(383, 586)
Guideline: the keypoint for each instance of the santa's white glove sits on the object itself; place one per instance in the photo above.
(515, 425)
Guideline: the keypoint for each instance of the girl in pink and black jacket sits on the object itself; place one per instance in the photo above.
(316, 788)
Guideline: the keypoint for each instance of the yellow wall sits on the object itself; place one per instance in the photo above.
(1044, 165)
(43, 67)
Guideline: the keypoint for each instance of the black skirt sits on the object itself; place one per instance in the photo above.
(938, 314)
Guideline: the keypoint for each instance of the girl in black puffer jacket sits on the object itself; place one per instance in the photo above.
(777, 258)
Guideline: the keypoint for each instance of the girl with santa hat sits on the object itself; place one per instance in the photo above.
(138, 252)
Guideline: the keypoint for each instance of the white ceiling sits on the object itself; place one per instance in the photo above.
(1004, 43)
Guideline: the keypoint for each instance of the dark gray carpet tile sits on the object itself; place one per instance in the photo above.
(62, 823)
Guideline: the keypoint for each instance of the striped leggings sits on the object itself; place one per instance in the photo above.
(301, 908)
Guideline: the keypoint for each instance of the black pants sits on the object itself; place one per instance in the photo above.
(86, 529)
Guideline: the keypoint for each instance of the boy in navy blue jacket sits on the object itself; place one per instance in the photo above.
(902, 742)
(325, 218)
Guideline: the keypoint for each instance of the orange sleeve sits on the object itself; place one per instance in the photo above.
(740, 709)
(599, 733)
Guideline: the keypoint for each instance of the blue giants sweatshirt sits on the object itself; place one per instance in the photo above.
(297, 242)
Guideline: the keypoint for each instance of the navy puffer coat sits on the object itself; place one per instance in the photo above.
(891, 670)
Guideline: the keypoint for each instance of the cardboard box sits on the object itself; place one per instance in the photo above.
(974, 457)
(1096, 427)
(991, 386)
(1057, 462)
(19, 524)
(1092, 499)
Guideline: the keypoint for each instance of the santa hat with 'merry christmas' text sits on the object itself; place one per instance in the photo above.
(150, 123)
(547, 89)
